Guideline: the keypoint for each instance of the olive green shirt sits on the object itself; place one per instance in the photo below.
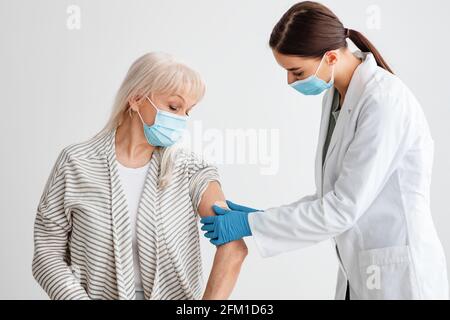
(335, 109)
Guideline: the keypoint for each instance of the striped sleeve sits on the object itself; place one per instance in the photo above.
(200, 173)
(50, 265)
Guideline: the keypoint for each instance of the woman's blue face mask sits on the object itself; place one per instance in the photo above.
(167, 129)
(313, 85)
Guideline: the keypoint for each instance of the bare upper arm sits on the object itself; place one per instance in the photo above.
(213, 194)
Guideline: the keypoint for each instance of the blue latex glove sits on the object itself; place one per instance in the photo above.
(228, 225)
(238, 207)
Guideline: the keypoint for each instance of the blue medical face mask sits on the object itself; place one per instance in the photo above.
(167, 129)
(313, 85)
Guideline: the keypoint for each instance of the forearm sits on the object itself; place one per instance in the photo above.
(225, 271)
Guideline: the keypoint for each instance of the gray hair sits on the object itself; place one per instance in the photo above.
(156, 72)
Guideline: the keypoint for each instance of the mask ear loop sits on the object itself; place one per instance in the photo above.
(332, 74)
(320, 64)
(139, 114)
(152, 103)
(332, 70)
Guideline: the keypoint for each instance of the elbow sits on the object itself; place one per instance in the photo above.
(234, 252)
(41, 266)
(242, 251)
(35, 267)
(37, 276)
(344, 225)
(342, 214)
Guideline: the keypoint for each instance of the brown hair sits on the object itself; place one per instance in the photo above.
(309, 29)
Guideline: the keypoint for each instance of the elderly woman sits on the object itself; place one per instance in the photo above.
(118, 218)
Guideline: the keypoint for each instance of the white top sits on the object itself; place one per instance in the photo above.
(133, 180)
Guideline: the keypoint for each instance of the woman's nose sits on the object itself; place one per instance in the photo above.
(290, 78)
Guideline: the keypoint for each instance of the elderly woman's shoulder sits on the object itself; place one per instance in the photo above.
(187, 158)
(92, 148)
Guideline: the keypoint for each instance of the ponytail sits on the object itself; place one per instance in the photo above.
(365, 45)
(310, 29)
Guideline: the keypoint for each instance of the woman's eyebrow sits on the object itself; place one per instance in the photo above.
(294, 69)
(177, 95)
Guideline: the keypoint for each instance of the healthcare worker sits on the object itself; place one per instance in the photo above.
(372, 172)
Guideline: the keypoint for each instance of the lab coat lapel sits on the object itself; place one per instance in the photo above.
(337, 132)
(361, 76)
(326, 108)
(121, 228)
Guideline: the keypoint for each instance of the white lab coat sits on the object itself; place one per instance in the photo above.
(372, 196)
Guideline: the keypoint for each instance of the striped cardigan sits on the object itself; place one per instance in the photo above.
(82, 233)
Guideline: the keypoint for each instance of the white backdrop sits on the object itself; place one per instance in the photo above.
(61, 63)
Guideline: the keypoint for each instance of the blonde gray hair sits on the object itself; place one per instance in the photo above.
(156, 72)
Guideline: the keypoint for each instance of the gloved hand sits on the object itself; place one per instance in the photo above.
(237, 207)
(228, 225)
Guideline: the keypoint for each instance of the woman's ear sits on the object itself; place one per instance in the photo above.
(332, 57)
(134, 102)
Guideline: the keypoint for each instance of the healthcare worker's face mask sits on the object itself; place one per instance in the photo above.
(313, 85)
(167, 129)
